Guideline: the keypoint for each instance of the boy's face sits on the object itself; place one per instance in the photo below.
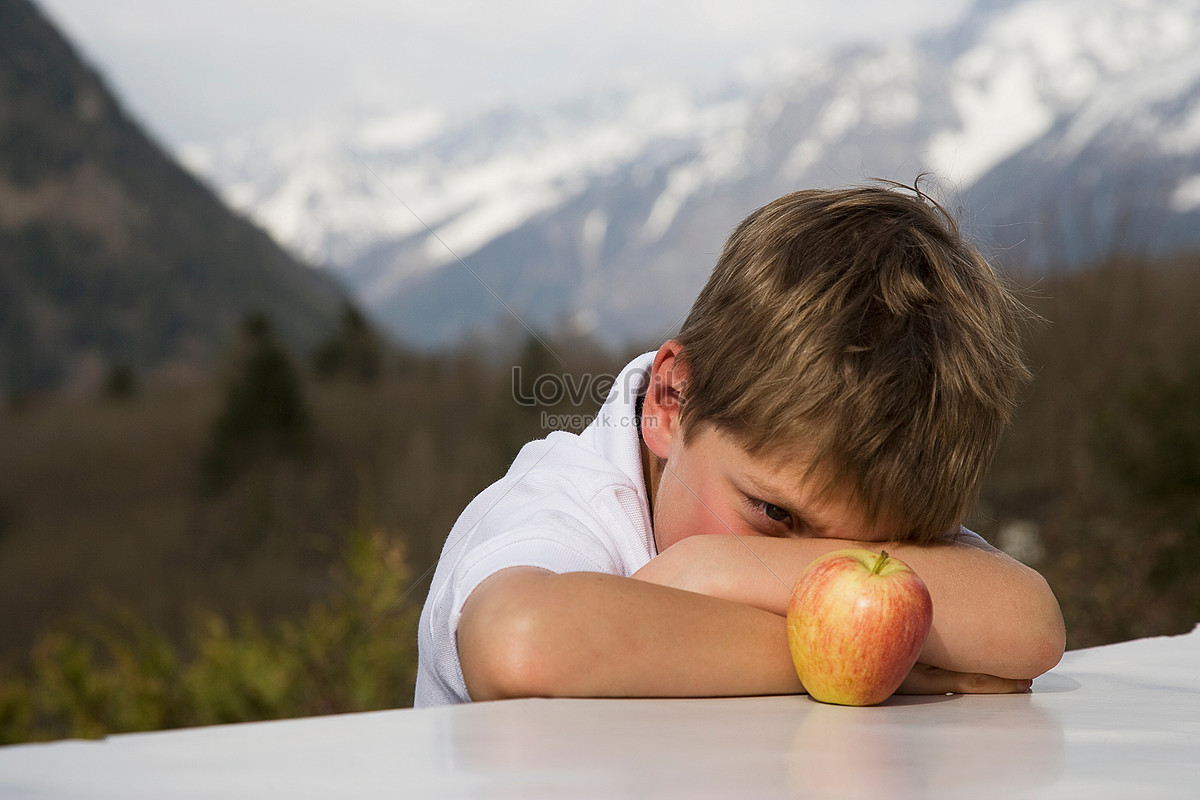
(710, 485)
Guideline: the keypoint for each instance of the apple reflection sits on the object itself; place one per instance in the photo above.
(950, 746)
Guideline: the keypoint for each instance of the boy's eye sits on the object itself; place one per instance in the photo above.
(775, 512)
(769, 516)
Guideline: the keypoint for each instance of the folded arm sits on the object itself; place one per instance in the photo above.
(706, 619)
(992, 615)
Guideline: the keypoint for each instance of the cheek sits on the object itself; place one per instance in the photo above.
(695, 514)
(678, 515)
(692, 501)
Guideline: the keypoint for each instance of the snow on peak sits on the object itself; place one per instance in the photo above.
(1041, 58)
(332, 192)
(1186, 196)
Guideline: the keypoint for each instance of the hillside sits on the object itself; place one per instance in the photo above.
(110, 253)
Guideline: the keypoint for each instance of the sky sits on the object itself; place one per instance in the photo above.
(201, 70)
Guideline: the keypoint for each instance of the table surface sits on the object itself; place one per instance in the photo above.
(1119, 721)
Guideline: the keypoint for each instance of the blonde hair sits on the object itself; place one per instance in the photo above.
(858, 330)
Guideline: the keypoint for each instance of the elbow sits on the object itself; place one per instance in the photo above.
(1042, 654)
(504, 666)
(503, 654)
(1043, 637)
(1050, 648)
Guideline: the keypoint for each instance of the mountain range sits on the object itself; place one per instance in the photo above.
(1063, 132)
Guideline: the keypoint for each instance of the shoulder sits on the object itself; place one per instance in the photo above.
(561, 506)
(964, 535)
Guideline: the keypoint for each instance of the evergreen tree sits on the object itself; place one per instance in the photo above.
(353, 351)
(264, 416)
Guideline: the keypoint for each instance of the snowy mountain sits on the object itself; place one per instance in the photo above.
(1065, 131)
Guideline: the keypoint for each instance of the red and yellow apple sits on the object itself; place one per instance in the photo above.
(857, 622)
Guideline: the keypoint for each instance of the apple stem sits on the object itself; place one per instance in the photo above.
(879, 562)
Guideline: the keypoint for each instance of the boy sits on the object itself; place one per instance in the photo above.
(842, 378)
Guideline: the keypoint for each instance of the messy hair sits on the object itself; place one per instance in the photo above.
(857, 330)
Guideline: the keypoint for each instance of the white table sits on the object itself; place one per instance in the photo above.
(1121, 721)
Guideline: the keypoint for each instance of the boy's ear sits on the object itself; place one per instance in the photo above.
(664, 400)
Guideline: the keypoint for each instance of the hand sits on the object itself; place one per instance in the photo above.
(924, 679)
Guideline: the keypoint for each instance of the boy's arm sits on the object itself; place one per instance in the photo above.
(991, 614)
(528, 632)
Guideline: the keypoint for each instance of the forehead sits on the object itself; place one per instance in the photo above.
(791, 481)
(787, 470)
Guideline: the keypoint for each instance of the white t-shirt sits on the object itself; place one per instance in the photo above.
(569, 503)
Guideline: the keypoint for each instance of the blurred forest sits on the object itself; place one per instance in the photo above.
(181, 549)
(1097, 484)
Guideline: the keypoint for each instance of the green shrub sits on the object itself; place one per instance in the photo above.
(15, 711)
(355, 651)
(107, 675)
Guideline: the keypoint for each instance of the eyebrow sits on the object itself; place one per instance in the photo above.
(769, 493)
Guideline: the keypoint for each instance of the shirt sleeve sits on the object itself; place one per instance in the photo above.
(552, 541)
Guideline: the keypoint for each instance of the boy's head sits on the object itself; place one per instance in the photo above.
(856, 332)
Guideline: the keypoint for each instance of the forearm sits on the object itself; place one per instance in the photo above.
(527, 632)
(991, 614)
(997, 615)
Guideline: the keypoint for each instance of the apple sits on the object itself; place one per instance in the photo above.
(856, 624)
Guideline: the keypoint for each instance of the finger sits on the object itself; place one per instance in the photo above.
(924, 679)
